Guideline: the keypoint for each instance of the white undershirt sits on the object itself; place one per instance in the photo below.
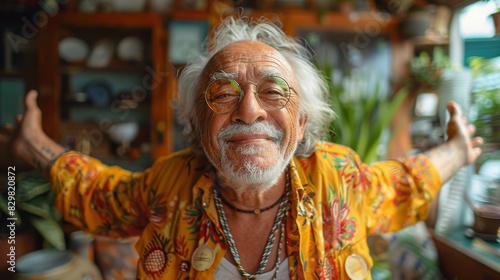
(227, 270)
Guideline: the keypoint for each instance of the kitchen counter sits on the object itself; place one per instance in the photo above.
(460, 259)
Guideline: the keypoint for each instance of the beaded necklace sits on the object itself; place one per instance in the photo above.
(255, 211)
(270, 242)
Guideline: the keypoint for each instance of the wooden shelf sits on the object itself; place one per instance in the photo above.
(111, 20)
(74, 68)
(431, 40)
(86, 105)
(11, 74)
(369, 22)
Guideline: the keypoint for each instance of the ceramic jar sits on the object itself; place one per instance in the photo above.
(50, 264)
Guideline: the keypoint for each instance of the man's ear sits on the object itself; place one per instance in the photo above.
(302, 127)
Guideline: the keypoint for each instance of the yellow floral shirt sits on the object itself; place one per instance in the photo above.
(336, 202)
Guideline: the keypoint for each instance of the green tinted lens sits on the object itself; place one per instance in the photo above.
(223, 95)
(273, 93)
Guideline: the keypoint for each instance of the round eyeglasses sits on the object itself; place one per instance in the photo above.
(223, 95)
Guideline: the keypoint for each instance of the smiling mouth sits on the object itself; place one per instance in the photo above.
(242, 139)
(257, 133)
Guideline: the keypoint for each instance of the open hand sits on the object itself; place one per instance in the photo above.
(462, 133)
(29, 126)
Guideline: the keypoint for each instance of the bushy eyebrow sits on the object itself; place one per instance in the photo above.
(271, 73)
(223, 75)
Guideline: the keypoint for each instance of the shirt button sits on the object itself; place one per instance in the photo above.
(184, 266)
(205, 204)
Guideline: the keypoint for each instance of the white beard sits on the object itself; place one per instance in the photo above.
(251, 175)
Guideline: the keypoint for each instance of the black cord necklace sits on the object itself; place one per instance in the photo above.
(255, 211)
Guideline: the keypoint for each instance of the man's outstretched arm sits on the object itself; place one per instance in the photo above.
(29, 141)
(461, 147)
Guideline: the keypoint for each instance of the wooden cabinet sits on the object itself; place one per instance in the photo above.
(83, 101)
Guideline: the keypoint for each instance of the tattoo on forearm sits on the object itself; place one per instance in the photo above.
(444, 150)
(48, 152)
(43, 160)
(438, 152)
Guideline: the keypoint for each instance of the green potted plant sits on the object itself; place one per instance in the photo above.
(425, 70)
(362, 120)
(415, 23)
(485, 112)
(33, 203)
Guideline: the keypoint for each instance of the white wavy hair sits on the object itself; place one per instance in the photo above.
(312, 87)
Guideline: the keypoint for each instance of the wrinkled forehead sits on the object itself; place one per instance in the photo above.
(248, 60)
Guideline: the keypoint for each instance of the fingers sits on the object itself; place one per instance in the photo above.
(30, 100)
(477, 141)
(6, 131)
(454, 109)
(9, 127)
(19, 119)
(471, 129)
(476, 152)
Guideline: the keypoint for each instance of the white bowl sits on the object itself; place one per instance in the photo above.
(101, 53)
(73, 49)
(123, 132)
(131, 49)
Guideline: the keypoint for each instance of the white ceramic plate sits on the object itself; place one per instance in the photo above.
(101, 54)
(73, 49)
(131, 49)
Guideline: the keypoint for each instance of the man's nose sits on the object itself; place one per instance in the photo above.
(249, 109)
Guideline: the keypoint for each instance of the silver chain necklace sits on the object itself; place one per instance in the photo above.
(270, 242)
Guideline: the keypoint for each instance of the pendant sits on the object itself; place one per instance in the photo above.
(355, 267)
(203, 258)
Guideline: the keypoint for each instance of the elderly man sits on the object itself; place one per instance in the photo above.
(259, 195)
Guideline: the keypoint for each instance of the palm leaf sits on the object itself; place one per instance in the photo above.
(50, 230)
(361, 122)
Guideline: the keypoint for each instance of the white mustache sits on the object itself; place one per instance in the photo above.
(229, 131)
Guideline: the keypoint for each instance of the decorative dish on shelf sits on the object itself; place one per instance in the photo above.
(131, 49)
(98, 93)
(72, 49)
(101, 54)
